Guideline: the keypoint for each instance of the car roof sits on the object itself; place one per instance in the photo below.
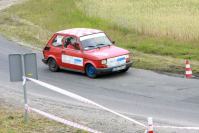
(79, 31)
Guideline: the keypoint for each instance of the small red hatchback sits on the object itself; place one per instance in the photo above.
(85, 50)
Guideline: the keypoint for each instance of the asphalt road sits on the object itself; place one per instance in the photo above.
(138, 92)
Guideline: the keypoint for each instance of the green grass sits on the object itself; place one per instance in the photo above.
(34, 21)
(172, 18)
(12, 121)
(166, 27)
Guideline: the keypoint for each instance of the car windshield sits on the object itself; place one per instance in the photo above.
(95, 41)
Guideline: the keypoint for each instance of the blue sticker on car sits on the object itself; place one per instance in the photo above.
(78, 60)
(121, 59)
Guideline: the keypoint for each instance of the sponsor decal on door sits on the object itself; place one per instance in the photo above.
(72, 60)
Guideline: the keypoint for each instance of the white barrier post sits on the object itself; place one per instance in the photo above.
(150, 125)
(24, 91)
(25, 100)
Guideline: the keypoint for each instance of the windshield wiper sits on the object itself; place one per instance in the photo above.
(101, 44)
(89, 47)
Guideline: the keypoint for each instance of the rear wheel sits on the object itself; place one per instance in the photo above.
(53, 67)
(91, 71)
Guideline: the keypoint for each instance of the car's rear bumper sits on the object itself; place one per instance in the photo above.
(45, 61)
(111, 69)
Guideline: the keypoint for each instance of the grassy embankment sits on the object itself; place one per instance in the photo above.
(161, 34)
(12, 121)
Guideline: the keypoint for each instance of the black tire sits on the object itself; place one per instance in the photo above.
(52, 65)
(91, 71)
(124, 70)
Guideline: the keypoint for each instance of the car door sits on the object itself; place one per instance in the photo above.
(72, 58)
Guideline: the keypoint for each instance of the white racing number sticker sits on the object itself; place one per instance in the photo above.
(72, 60)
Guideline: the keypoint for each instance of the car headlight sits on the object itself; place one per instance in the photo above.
(104, 62)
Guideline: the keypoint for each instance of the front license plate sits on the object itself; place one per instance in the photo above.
(119, 68)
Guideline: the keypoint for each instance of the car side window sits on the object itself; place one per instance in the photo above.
(71, 43)
(57, 42)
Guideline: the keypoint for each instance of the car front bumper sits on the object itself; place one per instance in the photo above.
(45, 61)
(113, 69)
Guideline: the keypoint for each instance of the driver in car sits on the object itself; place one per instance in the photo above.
(71, 43)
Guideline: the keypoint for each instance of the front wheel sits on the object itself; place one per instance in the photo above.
(53, 67)
(91, 71)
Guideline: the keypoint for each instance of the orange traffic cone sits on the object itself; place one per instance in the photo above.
(150, 125)
(188, 71)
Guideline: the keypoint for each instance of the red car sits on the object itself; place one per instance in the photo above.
(85, 50)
